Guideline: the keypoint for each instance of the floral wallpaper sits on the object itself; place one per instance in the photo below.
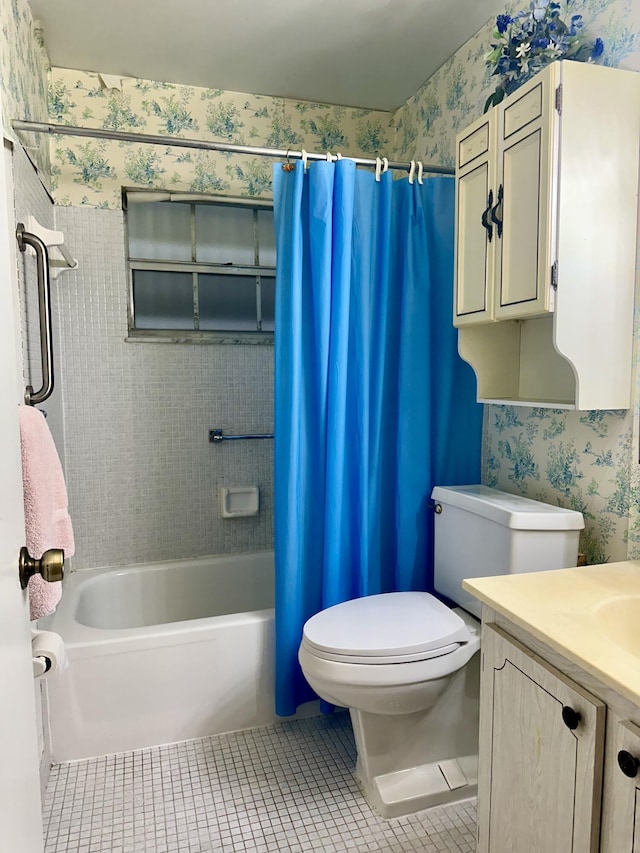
(582, 460)
(24, 66)
(88, 171)
(455, 95)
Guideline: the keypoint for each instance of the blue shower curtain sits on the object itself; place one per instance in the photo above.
(373, 406)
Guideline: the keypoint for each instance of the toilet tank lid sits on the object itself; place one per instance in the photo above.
(509, 510)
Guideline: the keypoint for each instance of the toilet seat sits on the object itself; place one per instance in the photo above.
(390, 628)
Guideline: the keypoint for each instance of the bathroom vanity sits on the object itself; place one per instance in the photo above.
(559, 758)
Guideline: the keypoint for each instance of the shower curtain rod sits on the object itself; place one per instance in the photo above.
(204, 145)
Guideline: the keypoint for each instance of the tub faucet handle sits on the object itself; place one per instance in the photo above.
(50, 566)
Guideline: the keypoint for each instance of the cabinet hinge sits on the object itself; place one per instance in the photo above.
(554, 275)
(559, 99)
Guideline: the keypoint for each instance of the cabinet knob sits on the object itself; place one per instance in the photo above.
(628, 763)
(570, 717)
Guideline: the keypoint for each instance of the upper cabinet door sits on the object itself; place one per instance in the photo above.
(526, 171)
(476, 234)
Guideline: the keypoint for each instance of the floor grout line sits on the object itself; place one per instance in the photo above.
(286, 788)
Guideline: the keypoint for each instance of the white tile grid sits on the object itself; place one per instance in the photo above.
(141, 474)
(278, 789)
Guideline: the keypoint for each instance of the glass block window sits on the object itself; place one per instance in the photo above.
(200, 266)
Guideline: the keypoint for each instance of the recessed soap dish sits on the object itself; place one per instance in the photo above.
(239, 501)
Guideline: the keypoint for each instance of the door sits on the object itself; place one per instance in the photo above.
(621, 800)
(541, 750)
(526, 155)
(20, 808)
(476, 234)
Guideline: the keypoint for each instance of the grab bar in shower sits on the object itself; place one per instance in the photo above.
(216, 436)
(25, 238)
(42, 239)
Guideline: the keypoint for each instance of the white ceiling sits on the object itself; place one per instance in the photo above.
(362, 53)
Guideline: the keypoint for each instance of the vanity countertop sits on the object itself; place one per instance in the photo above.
(590, 615)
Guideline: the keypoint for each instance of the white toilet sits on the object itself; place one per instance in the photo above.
(404, 663)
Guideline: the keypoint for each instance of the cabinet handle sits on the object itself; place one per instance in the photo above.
(494, 209)
(485, 216)
(628, 763)
(570, 717)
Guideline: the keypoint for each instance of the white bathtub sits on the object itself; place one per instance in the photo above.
(163, 652)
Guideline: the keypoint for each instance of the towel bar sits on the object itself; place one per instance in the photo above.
(216, 435)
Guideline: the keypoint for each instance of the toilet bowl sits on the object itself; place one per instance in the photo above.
(385, 654)
(390, 658)
(405, 664)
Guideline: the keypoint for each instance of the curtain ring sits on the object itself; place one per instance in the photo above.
(304, 157)
(412, 171)
(385, 165)
(338, 156)
(420, 168)
(378, 167)
(329, 157)
(288, 167)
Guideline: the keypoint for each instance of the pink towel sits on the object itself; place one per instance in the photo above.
(47, 521)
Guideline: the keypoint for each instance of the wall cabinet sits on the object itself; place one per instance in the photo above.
(559, 766)
(546, 225)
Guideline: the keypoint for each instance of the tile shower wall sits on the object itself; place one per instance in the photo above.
(141, 473)
(583, 460)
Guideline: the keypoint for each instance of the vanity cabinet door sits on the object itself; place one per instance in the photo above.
(621, 800)
(541, 752)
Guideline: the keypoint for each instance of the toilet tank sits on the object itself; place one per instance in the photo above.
(482, 531)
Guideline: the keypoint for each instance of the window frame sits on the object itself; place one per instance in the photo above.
(259, 271)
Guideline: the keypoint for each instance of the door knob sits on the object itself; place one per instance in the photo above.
(628, 763)
(50, 566)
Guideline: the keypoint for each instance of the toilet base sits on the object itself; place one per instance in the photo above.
(409, 762)
(407, 791)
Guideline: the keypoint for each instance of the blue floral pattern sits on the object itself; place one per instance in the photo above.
(24, 66)
(173, 111)
(584, 460)
(143, 166)
(95, 176)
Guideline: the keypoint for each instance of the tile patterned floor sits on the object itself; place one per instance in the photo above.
(280, 789)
